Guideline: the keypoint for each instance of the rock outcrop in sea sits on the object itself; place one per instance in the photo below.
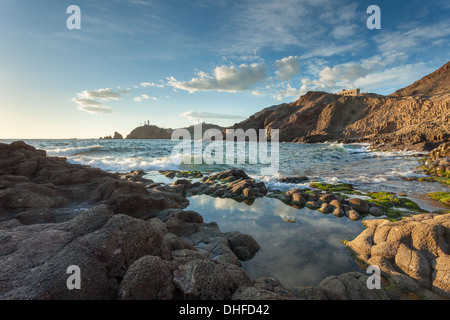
(155, 132)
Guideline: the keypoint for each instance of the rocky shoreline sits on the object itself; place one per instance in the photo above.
(133, 239)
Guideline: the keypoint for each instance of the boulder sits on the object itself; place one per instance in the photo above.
(209, 280)
(298, 199)
(312, 205)
(376, 212)
(362, 206)
(350, 286)
(298, 179)
(244, 246)
(354, 215)
(326, 208)
(148, 278)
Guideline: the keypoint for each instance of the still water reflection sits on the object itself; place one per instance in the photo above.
(298, 254)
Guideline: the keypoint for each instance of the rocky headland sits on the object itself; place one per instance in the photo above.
(133, 239)
(155, 132)
(413, 118)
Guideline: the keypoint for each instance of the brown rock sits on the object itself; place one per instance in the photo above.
(326, 208)
(248, 193)
(441, 275)
(414, 264)
(362, 206)
(298, 199)
(312, 205)
(354, 215)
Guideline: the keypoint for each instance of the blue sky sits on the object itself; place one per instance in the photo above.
(174, 62)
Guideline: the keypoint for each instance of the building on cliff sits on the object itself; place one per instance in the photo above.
(352, 92)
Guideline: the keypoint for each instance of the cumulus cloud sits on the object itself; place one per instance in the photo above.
(224, 78)
(91, 100)
(289, 92)
(338, 77)
(287, 68)
(151, 84)
(201, 115)
(144, 97)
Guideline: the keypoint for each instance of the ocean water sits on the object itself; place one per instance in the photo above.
(328, 162)
(298, 254)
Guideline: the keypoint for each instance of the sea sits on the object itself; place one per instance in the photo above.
(301, 252)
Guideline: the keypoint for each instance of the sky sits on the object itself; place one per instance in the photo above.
(177, 62)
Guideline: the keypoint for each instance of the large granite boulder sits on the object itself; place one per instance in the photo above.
(416, 247)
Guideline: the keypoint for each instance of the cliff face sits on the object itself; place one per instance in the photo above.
(418, 113)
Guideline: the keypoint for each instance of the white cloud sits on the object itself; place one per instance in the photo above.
(102, 94)
(201, 115)
(338, 77)
(144, 97)
(91, 100)
(258, 93)
(151, 84)
(369, 75)
(289, 92)
(91, 106)
(287, 68)
(332, 49)
(100, 109)
(344, 31)
(224, 78)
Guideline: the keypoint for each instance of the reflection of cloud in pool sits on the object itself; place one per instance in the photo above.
(297, 254)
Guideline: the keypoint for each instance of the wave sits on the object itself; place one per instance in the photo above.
(395, 153)
(351, 149)
(73, 151)
(114, 164)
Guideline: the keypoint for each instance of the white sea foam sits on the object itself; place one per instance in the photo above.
(72, 151)
(126, 164)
